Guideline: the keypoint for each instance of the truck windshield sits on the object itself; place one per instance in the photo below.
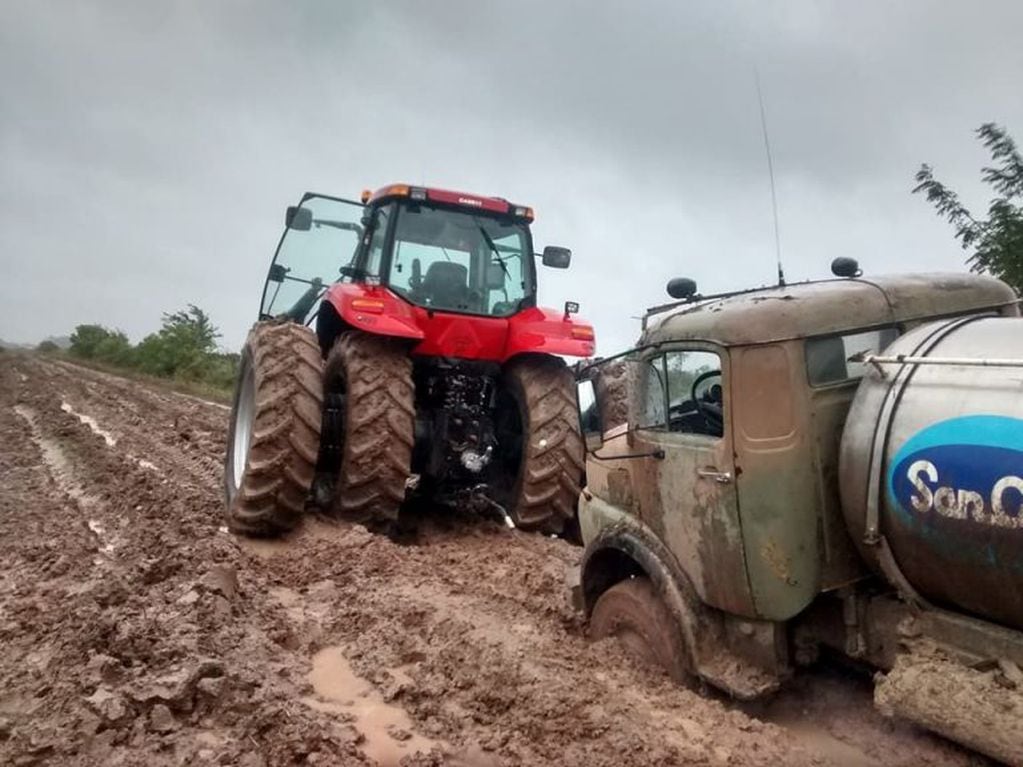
(460, 261)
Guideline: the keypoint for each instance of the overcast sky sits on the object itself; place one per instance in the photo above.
(148, 149)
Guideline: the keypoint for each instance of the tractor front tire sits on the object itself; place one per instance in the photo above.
(274, 436)
(369, 389)
(544, 461)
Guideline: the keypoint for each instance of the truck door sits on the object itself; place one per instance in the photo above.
(688, 497)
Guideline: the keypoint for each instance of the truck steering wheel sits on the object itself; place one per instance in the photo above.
(712, 412)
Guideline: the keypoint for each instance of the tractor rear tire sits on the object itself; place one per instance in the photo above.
(546, 463)
(368, 381)
(274, 436)
(632, 611)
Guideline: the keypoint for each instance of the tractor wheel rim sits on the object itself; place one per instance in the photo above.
(244, 415)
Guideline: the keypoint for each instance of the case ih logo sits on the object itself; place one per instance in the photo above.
(470, 201)
(967, 468)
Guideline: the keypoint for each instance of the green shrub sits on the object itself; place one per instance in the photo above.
(184, 348)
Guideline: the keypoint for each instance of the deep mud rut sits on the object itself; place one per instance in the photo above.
(136, 630)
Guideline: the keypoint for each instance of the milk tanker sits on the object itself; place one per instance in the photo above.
(834, 465)
(932, 465)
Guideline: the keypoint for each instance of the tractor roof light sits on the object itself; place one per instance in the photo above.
(521, 211)
(417, 193)
(366, 194)
(582, 332)
(394, 190)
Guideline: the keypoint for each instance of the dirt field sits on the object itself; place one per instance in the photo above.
(136, 630)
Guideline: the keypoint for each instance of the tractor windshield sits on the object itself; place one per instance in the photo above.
(461, 261)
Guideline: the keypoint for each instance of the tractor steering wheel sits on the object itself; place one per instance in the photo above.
(712, 412)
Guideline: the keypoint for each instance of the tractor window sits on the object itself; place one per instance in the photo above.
(507, 278)
(376, 245)
(460, 261)
(310, 258)
(683, 393)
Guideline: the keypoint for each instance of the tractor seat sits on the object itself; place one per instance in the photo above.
(446, 285)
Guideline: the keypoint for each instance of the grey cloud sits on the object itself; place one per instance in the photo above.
(147, 151)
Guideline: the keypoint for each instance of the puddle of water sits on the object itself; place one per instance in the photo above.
(91, 423)
(809, 715)
(340, 690)
(824, 743)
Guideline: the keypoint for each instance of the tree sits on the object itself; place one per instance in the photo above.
(182, 347)
(115, 349)
(997, 241)
(86, 339)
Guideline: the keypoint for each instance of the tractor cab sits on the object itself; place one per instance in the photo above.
(434, 249)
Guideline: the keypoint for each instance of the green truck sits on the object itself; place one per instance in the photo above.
(830, 465)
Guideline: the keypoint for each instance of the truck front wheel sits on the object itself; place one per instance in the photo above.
(632, 611)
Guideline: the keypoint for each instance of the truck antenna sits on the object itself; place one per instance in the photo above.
(770, 173)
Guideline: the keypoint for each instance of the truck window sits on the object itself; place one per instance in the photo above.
(827, 357)
(683, 393)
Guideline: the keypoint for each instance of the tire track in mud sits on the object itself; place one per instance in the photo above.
(193, 646)
(172, 436)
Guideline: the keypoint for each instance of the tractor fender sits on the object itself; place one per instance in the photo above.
(372, 309)
(548, 331)
(626, 549)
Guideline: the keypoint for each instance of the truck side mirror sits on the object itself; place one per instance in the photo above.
(298, 218)
(589, 414)
(557, 258)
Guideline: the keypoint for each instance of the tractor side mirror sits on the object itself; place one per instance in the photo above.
(298, 218)
(589, 414)
(495, 277)
(277, 273)
(557, 258)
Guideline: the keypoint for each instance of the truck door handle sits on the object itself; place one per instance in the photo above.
(721, 477)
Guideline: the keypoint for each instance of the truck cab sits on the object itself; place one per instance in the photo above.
(721, 489)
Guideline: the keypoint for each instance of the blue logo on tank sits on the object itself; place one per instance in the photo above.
(968, 468)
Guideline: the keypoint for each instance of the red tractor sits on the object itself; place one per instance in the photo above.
(400, 353)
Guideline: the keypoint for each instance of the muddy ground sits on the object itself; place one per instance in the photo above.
(136, 630)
